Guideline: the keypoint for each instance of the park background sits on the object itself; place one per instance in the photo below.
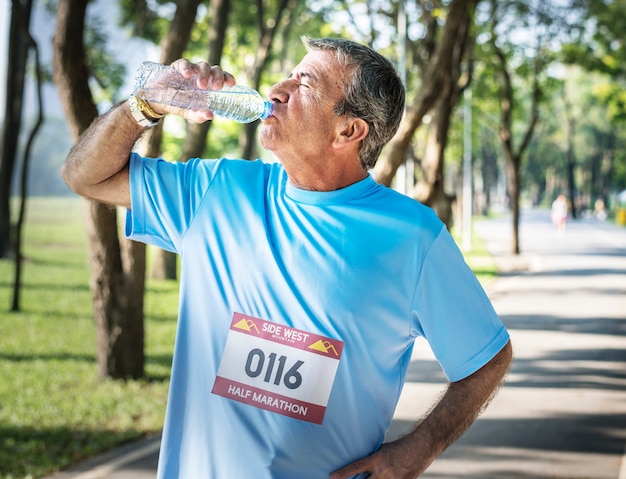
(509, 104)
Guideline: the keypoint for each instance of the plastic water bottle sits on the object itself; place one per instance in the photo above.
(165, 85)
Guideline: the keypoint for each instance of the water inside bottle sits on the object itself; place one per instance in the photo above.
(236, 103)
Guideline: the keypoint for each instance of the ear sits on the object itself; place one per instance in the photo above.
(351, 132)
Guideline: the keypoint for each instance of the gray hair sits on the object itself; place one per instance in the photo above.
(373, 92)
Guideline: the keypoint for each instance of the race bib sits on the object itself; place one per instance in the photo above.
(281, 369)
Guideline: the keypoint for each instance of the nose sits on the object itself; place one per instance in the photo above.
(280, 92)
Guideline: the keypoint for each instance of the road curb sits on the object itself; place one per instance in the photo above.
(105, 464)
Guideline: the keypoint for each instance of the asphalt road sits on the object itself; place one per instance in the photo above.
(562, 412)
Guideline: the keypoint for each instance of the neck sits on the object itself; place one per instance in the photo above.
(325, 171)
(325, 180)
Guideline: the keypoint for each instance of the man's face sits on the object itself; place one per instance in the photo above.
(303, 121)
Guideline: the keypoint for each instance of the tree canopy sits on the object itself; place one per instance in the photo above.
(548, 102)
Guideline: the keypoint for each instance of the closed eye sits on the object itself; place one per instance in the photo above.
(300, 77)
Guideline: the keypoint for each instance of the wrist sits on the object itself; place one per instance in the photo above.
(143, 113)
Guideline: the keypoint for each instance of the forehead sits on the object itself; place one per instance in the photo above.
(323, 68)
(324, 59)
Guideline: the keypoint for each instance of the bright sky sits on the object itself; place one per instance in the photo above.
(42, 28)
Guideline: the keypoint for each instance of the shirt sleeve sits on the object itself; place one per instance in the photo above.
(164, 199)
(453, 313)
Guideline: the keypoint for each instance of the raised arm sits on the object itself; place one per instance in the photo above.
(409, 456)
(97, 165)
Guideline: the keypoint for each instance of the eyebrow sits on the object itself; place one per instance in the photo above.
(303, 74)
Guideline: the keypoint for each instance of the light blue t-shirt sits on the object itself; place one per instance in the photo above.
(298, 314)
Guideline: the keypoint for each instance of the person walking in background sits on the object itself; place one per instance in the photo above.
(559, 212)
(599, 210)
(304, 283)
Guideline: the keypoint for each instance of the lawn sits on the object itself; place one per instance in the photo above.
(478, 258)
(54, 411)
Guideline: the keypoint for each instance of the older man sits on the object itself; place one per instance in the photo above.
(303, 283)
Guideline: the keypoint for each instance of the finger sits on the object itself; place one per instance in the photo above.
(199, 116)
(200, 71)
(229, 80)
(185, 67)
(207, 76)
(218, 78)
(204, 72)
(357, 467)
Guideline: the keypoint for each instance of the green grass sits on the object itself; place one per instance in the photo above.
(479, 259)
(53, 409)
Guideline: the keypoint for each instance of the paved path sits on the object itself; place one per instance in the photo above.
(562, 413)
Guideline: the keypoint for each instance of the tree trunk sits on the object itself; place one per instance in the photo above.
(117, 292)
(489, 173)
(266, 38)
(438, 72)
(514, 156)
(111, 297)
(19, 226)
(571, 165)
(18, 56)
(513, 185)
(430, 190)
(164, 266)
(570, 123)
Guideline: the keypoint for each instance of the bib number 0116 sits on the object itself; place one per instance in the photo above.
(277, 368)
(273, 365)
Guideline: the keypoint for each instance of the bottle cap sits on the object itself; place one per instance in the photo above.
(267, 110)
